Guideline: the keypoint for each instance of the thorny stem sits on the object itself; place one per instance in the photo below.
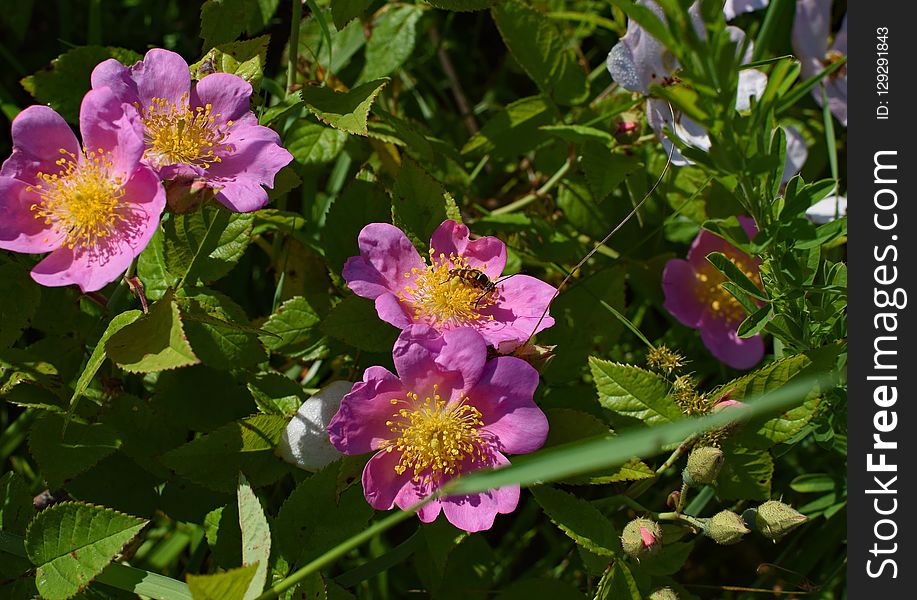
(682, 498)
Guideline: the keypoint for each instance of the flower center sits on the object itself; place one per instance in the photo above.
(81, 201)
(831, 57)
(448, 292)
(176, 134)
(434, 436)
(709, 291)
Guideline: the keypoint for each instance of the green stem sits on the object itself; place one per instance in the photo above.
(15, 434)
(529, 198)
(680, 518)
(293, 50)
(340, 550)
(682, 497)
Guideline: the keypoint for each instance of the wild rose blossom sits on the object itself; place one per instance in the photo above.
(449, 291)
(93, 207)
(639, 60)
(811, 29)
(694, 296)
(204, 135)
(448, 411)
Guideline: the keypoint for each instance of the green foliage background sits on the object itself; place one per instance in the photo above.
(500, 114)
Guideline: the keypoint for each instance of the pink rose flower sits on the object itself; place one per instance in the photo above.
(94, 208)
(448, 411)
(694, 296)
(449, 292)
(204, 134)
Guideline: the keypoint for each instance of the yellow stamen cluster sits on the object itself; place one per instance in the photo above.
(709, 291)
(664, 359)
(832, 57)
(434, 436)
(441, 296)
(82, 201)
(176, 134)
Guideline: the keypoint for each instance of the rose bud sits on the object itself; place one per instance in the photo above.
(775, 519)
(627, 132)
(641, 537)
(665, 593)
(704, 464)
(726, 528)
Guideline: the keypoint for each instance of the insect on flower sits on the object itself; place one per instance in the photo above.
(477, 279)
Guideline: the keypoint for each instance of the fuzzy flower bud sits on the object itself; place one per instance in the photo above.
(726, 528)
(665, 593)
(704, 465)
(641, 537)
(627, 132)
(775, 519)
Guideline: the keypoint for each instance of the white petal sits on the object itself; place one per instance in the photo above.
(796, 153)
(751, 83)
(827, 210)
(305, 441)
(734, 8)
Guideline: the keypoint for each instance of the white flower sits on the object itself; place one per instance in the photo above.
(305, 441)
(827, 210)
(734, 8)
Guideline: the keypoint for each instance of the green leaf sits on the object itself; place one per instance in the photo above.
(604, 171)
(420, 204)
(756, 321)
(276, 394)
(16, 509)
(67, 81)
(734, 274)
(634, 392)
(461, 5)
(256, 537)
(218, 330)
(224, 536)
(541, 49)
(98, 355)
(392, 41)
(153, 270)
(295, 328)
(224, 21)
(580, 520)
(746, 475)
(215, 459)
(228, 585)
(618, 584)
(762, 435)
(205, 245)
(345, 11)
(580, 134)
(18, 302)
(362, 202)
(245, 59)
(70, 543)
(316, 516)
(355, 322)
(812, 483)
(154, 342)
(346, 111)
(314, 144)
(63, 454)
(515, 130)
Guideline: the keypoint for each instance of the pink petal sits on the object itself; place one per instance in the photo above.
(476, 512)
(94, 267)
(380, 481)
(413, 492)
(648, 538)
(108, 124)
(452, 238)
(112, 74)
(359, 425)
(229, 95)
(386, 255)
(720, 338)
(39, 134)
(504, 395)
(242, 195)
(393, 311)
(678, 283)
(522, 300)
(251, 152)
(453, 360)
(20, 231)
(162, 74)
